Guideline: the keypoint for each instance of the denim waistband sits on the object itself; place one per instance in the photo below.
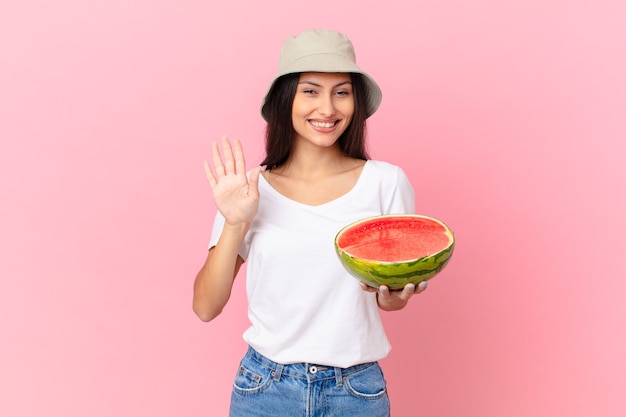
(305, 370)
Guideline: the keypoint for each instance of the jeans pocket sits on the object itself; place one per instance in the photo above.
(368, 383)
(250, 380)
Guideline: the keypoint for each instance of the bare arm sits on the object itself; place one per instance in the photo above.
(237, 198)
(213, 284)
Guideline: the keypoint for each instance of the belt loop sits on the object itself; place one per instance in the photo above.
(277, 372)
(338, 376)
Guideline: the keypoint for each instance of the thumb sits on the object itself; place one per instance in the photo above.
(254, 178)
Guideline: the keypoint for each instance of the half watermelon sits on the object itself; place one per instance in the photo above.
(395, 249)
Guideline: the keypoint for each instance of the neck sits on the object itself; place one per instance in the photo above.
(313, 162)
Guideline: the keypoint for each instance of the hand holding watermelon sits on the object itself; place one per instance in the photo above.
(395, 300)
(236, 196)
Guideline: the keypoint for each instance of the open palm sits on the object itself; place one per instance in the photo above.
(236, 196)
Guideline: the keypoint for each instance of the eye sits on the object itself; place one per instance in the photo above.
(343, 93)
(308, 91)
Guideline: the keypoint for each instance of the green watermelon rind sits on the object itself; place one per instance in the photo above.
(395, 275)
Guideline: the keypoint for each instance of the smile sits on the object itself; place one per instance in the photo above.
(323, 124)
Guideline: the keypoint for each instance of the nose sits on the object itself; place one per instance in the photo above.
(326, 105)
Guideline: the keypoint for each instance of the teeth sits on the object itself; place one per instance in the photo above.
(323, 124)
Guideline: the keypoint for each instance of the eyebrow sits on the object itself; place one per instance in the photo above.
(319, 85)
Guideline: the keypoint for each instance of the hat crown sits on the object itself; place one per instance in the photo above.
(311, 43)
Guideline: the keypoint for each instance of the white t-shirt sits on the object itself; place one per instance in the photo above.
(302, 304)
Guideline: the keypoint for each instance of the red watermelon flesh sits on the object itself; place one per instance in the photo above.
(395, 239)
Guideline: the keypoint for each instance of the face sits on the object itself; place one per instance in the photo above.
(322, 107)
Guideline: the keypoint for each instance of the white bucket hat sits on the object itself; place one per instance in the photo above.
(320, 50)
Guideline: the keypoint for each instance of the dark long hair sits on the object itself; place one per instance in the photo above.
(279, 132)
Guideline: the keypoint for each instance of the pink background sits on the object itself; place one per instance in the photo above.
(508, 116)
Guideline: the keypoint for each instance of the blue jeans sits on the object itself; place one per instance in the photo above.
(264, 388)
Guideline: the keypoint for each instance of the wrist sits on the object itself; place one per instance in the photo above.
(236, 228)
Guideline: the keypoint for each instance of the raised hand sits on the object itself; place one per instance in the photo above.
(235, 196)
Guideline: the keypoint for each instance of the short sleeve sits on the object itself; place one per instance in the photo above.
(216, 232)
(402, 196)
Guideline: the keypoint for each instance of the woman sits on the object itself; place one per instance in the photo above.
(316, 334)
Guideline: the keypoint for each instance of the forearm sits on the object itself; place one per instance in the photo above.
(214, 281)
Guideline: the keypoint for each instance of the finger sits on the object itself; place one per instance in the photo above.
(229, 161)
(254, 181)
(240, 161)
(383, 292)
(407, 292)
(217, 160)
(209, 174)
(367, 288)
(421, 287)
